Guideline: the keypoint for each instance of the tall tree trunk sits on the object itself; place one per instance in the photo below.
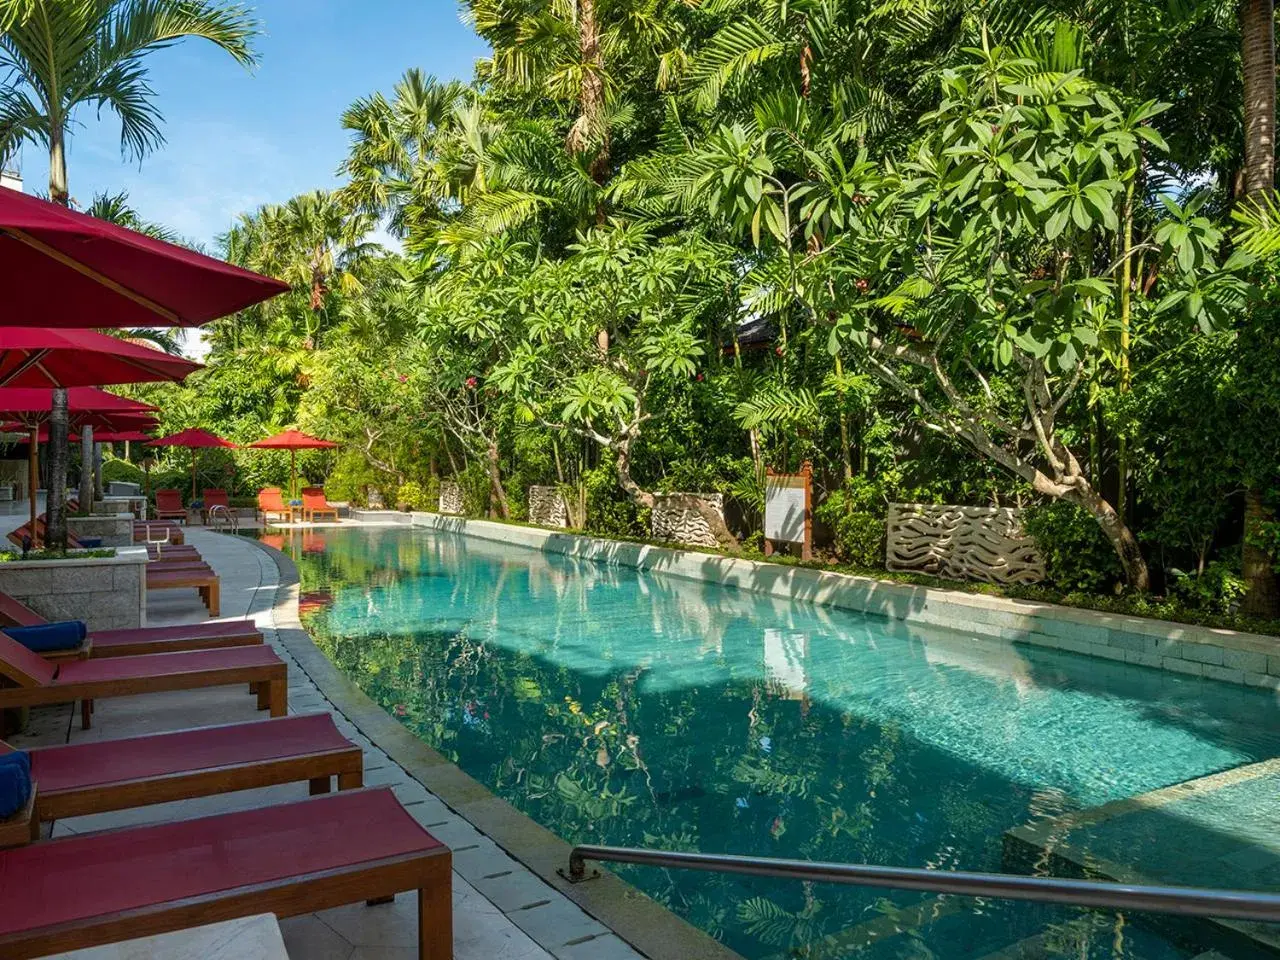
(58, 420)
(1258, 59)
(1118, 535)
(99, 490)
(590, 129)
(495, 478)
(56, 505)
(86, 469)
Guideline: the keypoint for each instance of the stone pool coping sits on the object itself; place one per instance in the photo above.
(635, 917)
(1232, 656)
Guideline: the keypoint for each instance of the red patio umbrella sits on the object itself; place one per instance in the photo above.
(195, 439)
(122, 436)
(293, 441)
(61, 268)
(87, 406)
(39, 357)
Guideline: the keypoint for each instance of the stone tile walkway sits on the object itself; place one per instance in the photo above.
(502, 911)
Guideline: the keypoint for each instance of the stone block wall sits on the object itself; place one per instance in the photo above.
(450, 497)
(106, 593)
(679, 524)
(114, 530)
(962, 543)
(547, 507)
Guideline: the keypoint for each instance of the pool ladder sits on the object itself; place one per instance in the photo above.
(1182, 901)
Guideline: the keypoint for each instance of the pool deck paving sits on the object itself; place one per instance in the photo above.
(502, 910)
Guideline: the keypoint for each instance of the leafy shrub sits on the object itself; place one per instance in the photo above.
(413, 496)
(1076, 554)
(351, 478)
(121, 471)
(855, 514)
(476, 489)
(610, 513)
(1218, 589)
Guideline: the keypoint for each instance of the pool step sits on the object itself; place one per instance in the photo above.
(1060, 941)
(853, 940)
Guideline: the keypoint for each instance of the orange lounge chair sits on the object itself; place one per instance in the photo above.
(39, 681)
(287, 859)
(271, 504)
(181, 577)
(83, 778)
(313, 502)
(169, 506)
(136, 641)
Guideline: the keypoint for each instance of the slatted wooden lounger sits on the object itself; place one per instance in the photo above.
(201, 577)
(132, 642)
(289, 859)
(39, 681)
(84, 778)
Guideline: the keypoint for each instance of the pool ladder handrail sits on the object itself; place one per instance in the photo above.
(1183, 901)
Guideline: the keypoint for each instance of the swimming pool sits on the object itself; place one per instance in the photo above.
(615, 706)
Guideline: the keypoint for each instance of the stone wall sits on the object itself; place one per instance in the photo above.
(115, 530)
(962, 543)
(547, 507)
(107, 593)
(681, 525)
(450, 497)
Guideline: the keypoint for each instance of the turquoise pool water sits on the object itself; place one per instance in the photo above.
(620, 707)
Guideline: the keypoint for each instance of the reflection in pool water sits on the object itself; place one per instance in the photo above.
(622, 707)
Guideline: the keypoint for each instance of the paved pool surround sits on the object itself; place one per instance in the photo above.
(1248, 659)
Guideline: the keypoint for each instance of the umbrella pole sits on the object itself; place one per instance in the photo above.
(193, 473)
(33, 479)
(293, 474)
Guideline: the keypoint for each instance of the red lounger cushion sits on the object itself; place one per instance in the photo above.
(18, 613)
(88, 876)
(83, 765)
(187, 631)
(164, 664)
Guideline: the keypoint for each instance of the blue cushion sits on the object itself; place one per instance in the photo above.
(66, 635)
(90, 543)
(15, 782)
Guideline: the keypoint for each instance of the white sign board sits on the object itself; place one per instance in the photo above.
(784, 502)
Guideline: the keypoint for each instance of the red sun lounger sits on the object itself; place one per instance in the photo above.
(201, 577)
(290, 859)
(135, 641)
(83, 778)
(39, 681)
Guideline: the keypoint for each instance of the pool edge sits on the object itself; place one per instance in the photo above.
(1229, 656)
(635, 917)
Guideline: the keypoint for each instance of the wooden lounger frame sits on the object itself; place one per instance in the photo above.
(271, 684)
(346, 765)
(429, 872)
(204, 580)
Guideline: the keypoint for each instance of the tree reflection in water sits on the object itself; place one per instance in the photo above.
(621, 708)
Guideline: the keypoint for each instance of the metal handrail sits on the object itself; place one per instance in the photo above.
(1184, 901)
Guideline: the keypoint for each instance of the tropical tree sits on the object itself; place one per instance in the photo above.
(62, 55)
(69, 54)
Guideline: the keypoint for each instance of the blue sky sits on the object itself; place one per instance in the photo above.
(237, 139)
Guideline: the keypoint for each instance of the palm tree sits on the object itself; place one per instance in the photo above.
(1258, 63)
(69, 54)
(579, 53)
(61, 55)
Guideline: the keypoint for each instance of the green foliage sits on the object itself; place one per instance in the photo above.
(1218, 589)
(121, 471)
(855, 513)
(477, 490)
(1076, 555)
(351, 479)
(414, 496)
